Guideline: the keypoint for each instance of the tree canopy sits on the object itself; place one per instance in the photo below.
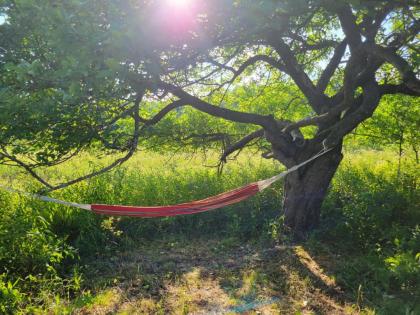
(119, 75)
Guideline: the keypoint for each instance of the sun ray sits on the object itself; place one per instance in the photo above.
(179, 3)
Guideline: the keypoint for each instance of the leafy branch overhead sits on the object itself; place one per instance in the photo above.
(118, 76)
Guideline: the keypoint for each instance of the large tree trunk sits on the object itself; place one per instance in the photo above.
(305, 190)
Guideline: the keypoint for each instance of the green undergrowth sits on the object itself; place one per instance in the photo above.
(371, 224)
(370, 228)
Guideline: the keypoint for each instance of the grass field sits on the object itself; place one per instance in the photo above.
(364, 258)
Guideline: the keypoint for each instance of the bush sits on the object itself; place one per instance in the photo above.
(370, 210)
(373, 212)
(32, 258)
(10, 297)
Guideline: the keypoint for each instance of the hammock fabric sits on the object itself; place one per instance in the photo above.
(211, 203)
(207, 204)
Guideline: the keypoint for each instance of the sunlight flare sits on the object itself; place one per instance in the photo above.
(179, 3)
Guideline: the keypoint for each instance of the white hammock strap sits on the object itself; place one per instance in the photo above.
(47, 199)
(263, 184)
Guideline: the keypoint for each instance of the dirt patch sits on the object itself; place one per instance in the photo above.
(203, 277)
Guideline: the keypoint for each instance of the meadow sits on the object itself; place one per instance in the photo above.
(169, 89)
(365, 257)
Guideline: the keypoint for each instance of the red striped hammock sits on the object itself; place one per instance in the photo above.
(211, 203)
(207, 204)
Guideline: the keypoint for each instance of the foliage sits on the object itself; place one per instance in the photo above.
(83, 74)
(84, 85)
(34, 261)
(395, 125)
(50, 247)
(10, 297)
(41, 244)
(375, 214)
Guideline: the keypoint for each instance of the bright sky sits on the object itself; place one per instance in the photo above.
(177, 17)
(179, 3)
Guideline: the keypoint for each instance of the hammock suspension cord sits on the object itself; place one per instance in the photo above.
(211, 203)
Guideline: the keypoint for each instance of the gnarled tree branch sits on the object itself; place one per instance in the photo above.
(241, 143)
(294, 69)
(407, 74)
(370, 101)
(331, 67)
(267, 122)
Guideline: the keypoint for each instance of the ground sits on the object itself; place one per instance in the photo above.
(213, 277)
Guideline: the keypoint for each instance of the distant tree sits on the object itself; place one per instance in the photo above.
(395, 124)
(79, 74)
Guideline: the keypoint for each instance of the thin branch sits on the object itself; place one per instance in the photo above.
(110, 166)
(249, 62)
(232, 115)
(27, 168)
(372, 22)
(133, 146)
(307, 122)
(253, 60)
(407, 74)
(331, 67)
(350, 27)
(163, 112)
(397, 89)
(241, 144)
(302, 80)
(371, 98)
(221, 65)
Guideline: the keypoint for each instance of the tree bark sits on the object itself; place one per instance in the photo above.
(305, 190)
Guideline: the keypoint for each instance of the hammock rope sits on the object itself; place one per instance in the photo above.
(210, 203)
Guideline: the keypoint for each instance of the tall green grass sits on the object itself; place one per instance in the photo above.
(41, 243)
(371, 219)
(371, 210)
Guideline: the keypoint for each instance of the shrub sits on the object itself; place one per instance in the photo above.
(10, 297)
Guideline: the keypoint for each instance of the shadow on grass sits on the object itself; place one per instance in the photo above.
(211, 277)
(364, 276)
